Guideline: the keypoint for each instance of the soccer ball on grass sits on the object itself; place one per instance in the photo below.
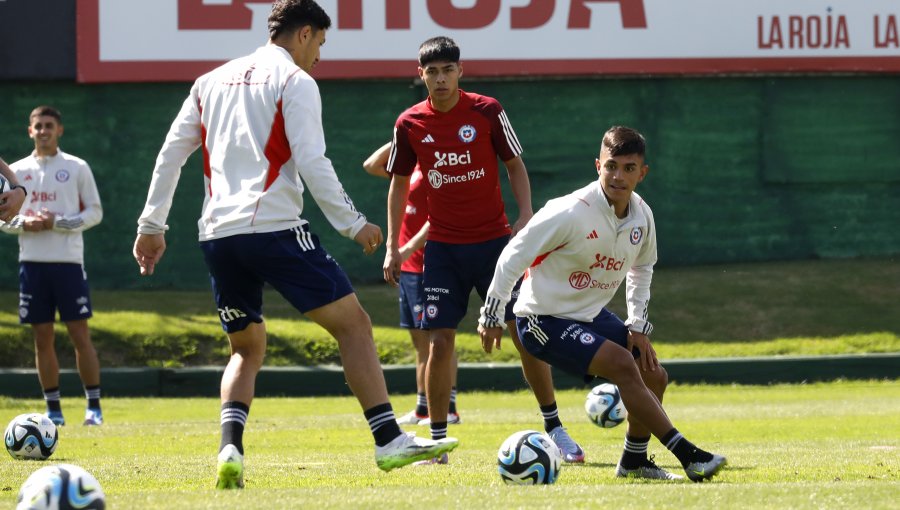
(529, 458)
(604, 406)
(61, 487)
(31, 436)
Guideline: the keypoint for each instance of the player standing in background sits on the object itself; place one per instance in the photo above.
(413, 233)
(11, 201)
(259, 121)
(64, 203)
(575, 254)
(455, 137)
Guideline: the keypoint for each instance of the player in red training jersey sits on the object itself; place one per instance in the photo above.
(456, 137)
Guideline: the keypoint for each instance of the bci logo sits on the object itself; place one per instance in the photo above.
(451, 159)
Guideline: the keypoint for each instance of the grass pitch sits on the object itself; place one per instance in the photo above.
(829, 445)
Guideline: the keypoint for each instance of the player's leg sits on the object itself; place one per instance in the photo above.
(635, 462)
(38, 309)
(314, 284)
(411, 309)
(73, 298)
(540, 379)
(452, 412)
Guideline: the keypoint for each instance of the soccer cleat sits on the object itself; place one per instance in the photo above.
(571, 451)
(648, 469)
(452, 419)
(699, 471)
(410, 418)
(56, 417)
(93, 417)
(231, 468)
(407, 448)
(443, 459)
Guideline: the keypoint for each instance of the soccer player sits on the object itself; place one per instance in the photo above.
(575, 253)
(11, 201)
(456, 137)
(258, 119)
(64, 203)
(413, 233)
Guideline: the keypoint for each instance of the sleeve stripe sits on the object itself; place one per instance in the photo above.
(393, 154)
(511, 137)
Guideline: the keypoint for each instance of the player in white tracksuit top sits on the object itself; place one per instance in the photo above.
(575, 253)
(259, 122)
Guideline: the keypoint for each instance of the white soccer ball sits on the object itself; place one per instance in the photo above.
(31, 436)
(529, 458)
(61, 487)
(604, 406)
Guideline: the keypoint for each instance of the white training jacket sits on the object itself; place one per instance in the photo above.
(259, 120)
(575, 253)
(64, 185)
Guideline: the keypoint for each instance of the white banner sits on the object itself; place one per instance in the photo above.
(179, 39)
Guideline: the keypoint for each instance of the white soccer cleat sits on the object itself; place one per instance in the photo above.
(572, 453)
(452, 419)
(407, 448)
(231, 468)
(699, 471)
(648, 470)
(410, 418)
(93, 417)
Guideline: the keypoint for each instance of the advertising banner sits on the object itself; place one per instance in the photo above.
(177, 40)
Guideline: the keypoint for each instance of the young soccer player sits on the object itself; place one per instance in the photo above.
(259, 121)
(575, 254)
(455, 138)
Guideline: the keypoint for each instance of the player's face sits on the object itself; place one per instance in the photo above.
(307, 55)
(619, 175)
(45, 131)
(442, 81)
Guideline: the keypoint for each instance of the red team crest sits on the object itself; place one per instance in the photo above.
(636, 235)
(466, 133)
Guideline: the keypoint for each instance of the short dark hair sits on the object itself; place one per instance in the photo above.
(622, 141)
(45, 111)
(290, 15)
(438, 49)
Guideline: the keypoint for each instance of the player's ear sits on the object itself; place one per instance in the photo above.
(459, 65)
(61, 129)
(597, 164)
(644, 170)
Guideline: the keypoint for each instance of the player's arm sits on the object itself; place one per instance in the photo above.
(416, 242)
(376, 163)
(637, 297)
(396, 206)
(91, 212)
(182, 140)
(11, 201)
(521, 189)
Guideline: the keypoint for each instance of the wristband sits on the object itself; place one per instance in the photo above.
(18, 186)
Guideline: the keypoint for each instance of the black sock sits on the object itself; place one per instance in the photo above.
(452, 409)
(233, 419)
(92, 393)
(635, 452)
(51, 397)
(382, 423)
(551, 416)
(421, 404)
(684, 449)
(438, 430)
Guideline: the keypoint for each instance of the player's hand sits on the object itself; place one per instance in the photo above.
(490, 337)
(520, 223)
(369, 238)
(148, 249)
(32, 223)
(48, 218)
(391, 267)
(10, 203)
(648, 360)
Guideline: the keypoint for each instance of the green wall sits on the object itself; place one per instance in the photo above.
(742, 168)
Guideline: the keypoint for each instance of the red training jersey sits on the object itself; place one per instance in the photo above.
(415, 217)
(457, 152)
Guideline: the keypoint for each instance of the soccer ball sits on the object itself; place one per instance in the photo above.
(31, 436)
(604, 406)
(61, 487)
(529, 458)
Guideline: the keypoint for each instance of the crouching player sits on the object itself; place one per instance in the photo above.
(575, 253)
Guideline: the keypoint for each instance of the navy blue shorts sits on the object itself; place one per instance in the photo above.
(571, 345)
(412, 300)
(291, 261)
(45, 287)
(451, 272)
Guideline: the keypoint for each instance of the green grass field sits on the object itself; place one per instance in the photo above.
(829, 445)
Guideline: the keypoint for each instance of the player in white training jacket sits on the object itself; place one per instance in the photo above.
(259, 122)
(63, 203)
(574, 254)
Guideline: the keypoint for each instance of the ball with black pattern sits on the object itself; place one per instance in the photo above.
(604, 406)
(529, 458)
(31, 436)
(61, 487)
